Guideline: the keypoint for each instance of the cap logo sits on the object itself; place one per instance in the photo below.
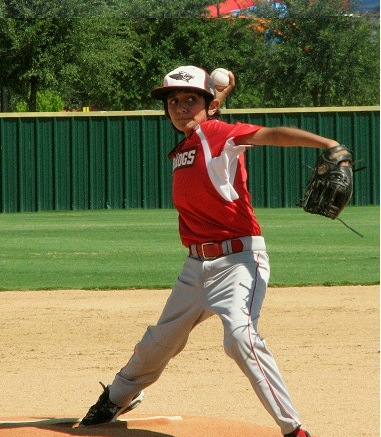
(182, 75)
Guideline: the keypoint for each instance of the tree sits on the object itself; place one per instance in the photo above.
(108, 66)
(63, 45)
(112, 62)
(33, 54)
(37, 40)
(164, 8)
(122, 60)
(104, 8)
(318, 56)
(38, 9)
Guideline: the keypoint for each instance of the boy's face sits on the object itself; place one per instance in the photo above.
(187, 109)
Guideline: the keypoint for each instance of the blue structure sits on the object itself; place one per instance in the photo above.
(366, 6)
(360, 6)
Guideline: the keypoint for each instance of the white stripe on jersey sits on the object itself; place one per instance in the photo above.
(222, 169)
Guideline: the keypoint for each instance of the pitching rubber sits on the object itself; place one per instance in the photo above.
(73, 420)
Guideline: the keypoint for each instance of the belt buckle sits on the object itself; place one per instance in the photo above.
(203, 252)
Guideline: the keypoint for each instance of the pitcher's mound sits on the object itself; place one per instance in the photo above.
(135, 426)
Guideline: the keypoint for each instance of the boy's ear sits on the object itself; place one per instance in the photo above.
(213, 107)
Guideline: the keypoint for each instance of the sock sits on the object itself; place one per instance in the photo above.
(298, 432)
(302, 433)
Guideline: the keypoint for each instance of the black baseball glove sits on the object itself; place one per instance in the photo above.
(331, 184)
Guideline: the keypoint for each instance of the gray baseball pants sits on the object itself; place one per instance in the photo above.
(232, 287)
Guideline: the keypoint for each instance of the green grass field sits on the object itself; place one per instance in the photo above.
(141, 248)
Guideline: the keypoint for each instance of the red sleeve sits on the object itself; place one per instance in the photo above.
(241, 129)
(227, 130)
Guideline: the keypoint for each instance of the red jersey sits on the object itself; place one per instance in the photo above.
(209, 184)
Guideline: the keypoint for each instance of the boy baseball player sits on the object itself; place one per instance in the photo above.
(227, 270)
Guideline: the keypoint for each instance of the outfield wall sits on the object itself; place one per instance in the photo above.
(100, 160)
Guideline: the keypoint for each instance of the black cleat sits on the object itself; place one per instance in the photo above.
(104, 411)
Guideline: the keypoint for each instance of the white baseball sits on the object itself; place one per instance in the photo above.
(220, 77)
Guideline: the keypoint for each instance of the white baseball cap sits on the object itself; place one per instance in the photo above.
(188, 77)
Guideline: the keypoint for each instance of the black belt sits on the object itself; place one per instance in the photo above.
(216, 250)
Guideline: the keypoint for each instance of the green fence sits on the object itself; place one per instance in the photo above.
(94, 160)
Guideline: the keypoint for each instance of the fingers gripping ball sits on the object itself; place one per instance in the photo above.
(221, 79)
(331, 184)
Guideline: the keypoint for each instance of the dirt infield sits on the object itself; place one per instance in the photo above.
(57, 345)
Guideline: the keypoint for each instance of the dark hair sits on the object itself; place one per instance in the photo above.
(208, 99)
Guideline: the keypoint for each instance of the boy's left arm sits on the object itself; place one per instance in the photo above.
(286, 137)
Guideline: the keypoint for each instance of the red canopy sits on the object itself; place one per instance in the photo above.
(227, 7)
(230, 6)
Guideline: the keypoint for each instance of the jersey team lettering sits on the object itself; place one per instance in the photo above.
(184, 159)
